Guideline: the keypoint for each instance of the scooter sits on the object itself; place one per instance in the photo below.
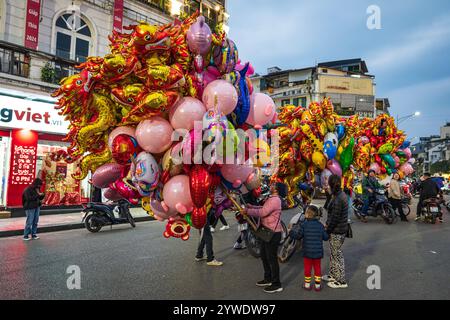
(379, 207)
(98, 215)
(431, 210)
(290, 245)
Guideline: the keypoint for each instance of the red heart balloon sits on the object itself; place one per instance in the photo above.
(198, 217)
(199, 182)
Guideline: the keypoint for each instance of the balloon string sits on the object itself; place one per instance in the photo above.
(239, 207)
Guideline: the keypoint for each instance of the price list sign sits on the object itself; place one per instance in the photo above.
(23, 165)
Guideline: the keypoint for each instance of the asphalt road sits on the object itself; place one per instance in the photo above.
(141, 264)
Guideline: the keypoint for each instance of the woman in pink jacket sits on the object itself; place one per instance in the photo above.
(270, 215)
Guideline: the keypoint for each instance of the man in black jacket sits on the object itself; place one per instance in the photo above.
(31, 201)
(428, 189)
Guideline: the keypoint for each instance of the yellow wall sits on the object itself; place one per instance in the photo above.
(330, 84)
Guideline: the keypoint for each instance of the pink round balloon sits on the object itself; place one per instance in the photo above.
(236, 174)
(120, 130)
(154, 135)
(112, 195)
(406, 168)
(106, 174)
(375, 167)
(397, 161)
(177, 194)
(262, 109)
(334, 167)
(226, 94)
(408, 153)
(184, 114)
(412, 160)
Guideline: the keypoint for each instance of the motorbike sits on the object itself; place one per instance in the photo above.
(405, 206)
(291, 245)
(380, 207)
(431, 210)
(98, 215)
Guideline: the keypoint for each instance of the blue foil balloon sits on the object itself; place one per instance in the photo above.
(340, 131)
(242, 110)
(405, 145)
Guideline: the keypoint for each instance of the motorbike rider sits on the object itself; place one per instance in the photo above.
(428, 189)
(370, 185)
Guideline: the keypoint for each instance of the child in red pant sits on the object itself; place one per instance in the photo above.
(313, 234)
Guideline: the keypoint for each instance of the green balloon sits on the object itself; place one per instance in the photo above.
(346, 158)
(388, 159)
(188, 218)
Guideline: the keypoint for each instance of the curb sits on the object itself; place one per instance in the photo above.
(62, 227)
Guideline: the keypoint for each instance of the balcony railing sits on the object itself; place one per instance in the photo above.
(14, 62)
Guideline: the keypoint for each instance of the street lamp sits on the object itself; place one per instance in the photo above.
(413, 115)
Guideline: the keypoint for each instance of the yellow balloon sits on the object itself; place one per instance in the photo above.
(319, 160)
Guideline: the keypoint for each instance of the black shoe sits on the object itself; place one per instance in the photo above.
(263, 283)
(273, 289)
(405, 220)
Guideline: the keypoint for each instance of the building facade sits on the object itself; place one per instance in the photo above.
(346, 82)
(41, 42)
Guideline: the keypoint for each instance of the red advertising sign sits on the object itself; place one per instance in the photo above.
(32, 24)
(118, 15)
(22, 170)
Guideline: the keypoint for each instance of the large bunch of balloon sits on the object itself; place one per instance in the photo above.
(380, 146)
(315, 143)
(125, 107)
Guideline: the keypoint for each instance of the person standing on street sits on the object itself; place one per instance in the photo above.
(337, 228)
(31, 201)
(313, 234)
(395, 195)
(270, 214)
(221, 202)
(206, 240)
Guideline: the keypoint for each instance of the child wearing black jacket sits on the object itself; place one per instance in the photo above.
(313, 234)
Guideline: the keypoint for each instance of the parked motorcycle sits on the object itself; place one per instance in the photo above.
(290, 245)
(405, 206)
(98, 215)
(379, 207)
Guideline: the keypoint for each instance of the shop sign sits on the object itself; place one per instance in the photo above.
(23, 164)
(16, 113)
(22, 168)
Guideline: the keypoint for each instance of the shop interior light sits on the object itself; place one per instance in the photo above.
(226, 15)
(217, 7)
(226, 28)
(175, 7)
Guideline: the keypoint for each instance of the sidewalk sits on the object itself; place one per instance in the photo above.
(57, 222)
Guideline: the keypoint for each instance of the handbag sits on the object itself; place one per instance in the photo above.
(264, 233)
(349, 233)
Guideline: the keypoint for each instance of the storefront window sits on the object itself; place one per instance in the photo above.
(60, 187)
(4, 164)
